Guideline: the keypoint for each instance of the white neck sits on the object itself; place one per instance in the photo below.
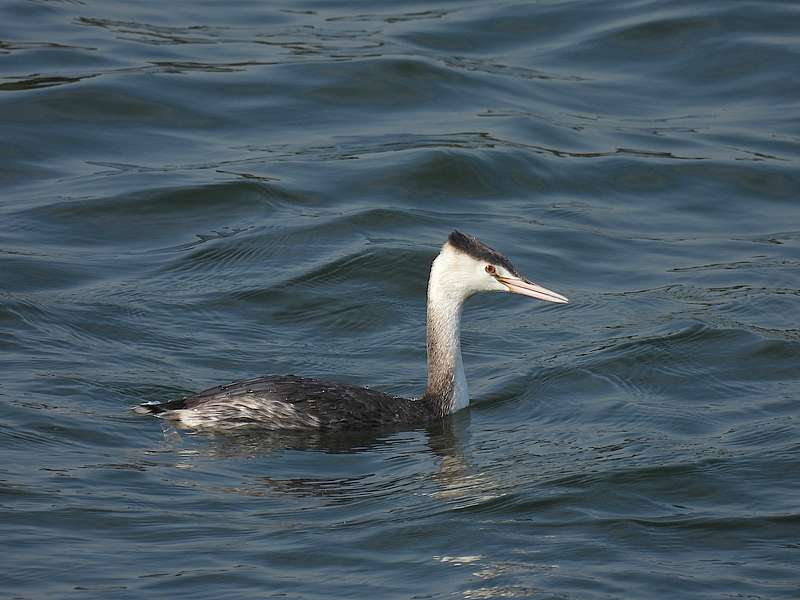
(447, 385)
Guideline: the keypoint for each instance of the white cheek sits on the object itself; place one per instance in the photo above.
(482, 281)
(497, 286)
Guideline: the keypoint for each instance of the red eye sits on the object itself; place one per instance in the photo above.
(491, 270)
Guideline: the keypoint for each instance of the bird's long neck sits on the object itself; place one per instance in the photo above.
(447, 386)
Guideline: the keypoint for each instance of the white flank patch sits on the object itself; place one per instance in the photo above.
(244, 411)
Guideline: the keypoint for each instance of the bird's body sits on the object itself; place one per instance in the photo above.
(464, 267)
(292, 403)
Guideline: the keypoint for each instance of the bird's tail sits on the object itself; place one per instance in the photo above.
(157, 408)
(148, 408)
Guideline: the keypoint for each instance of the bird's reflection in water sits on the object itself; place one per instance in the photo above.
(457, 481)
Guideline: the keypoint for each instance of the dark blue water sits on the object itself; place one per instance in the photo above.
(195, 192)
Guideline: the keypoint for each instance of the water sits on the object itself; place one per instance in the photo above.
(203, 191)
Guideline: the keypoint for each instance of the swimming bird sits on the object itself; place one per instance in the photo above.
(464, 266)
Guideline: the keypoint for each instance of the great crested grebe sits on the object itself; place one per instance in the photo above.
(465, 266)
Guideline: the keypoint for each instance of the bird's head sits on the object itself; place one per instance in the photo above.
(466, 266)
